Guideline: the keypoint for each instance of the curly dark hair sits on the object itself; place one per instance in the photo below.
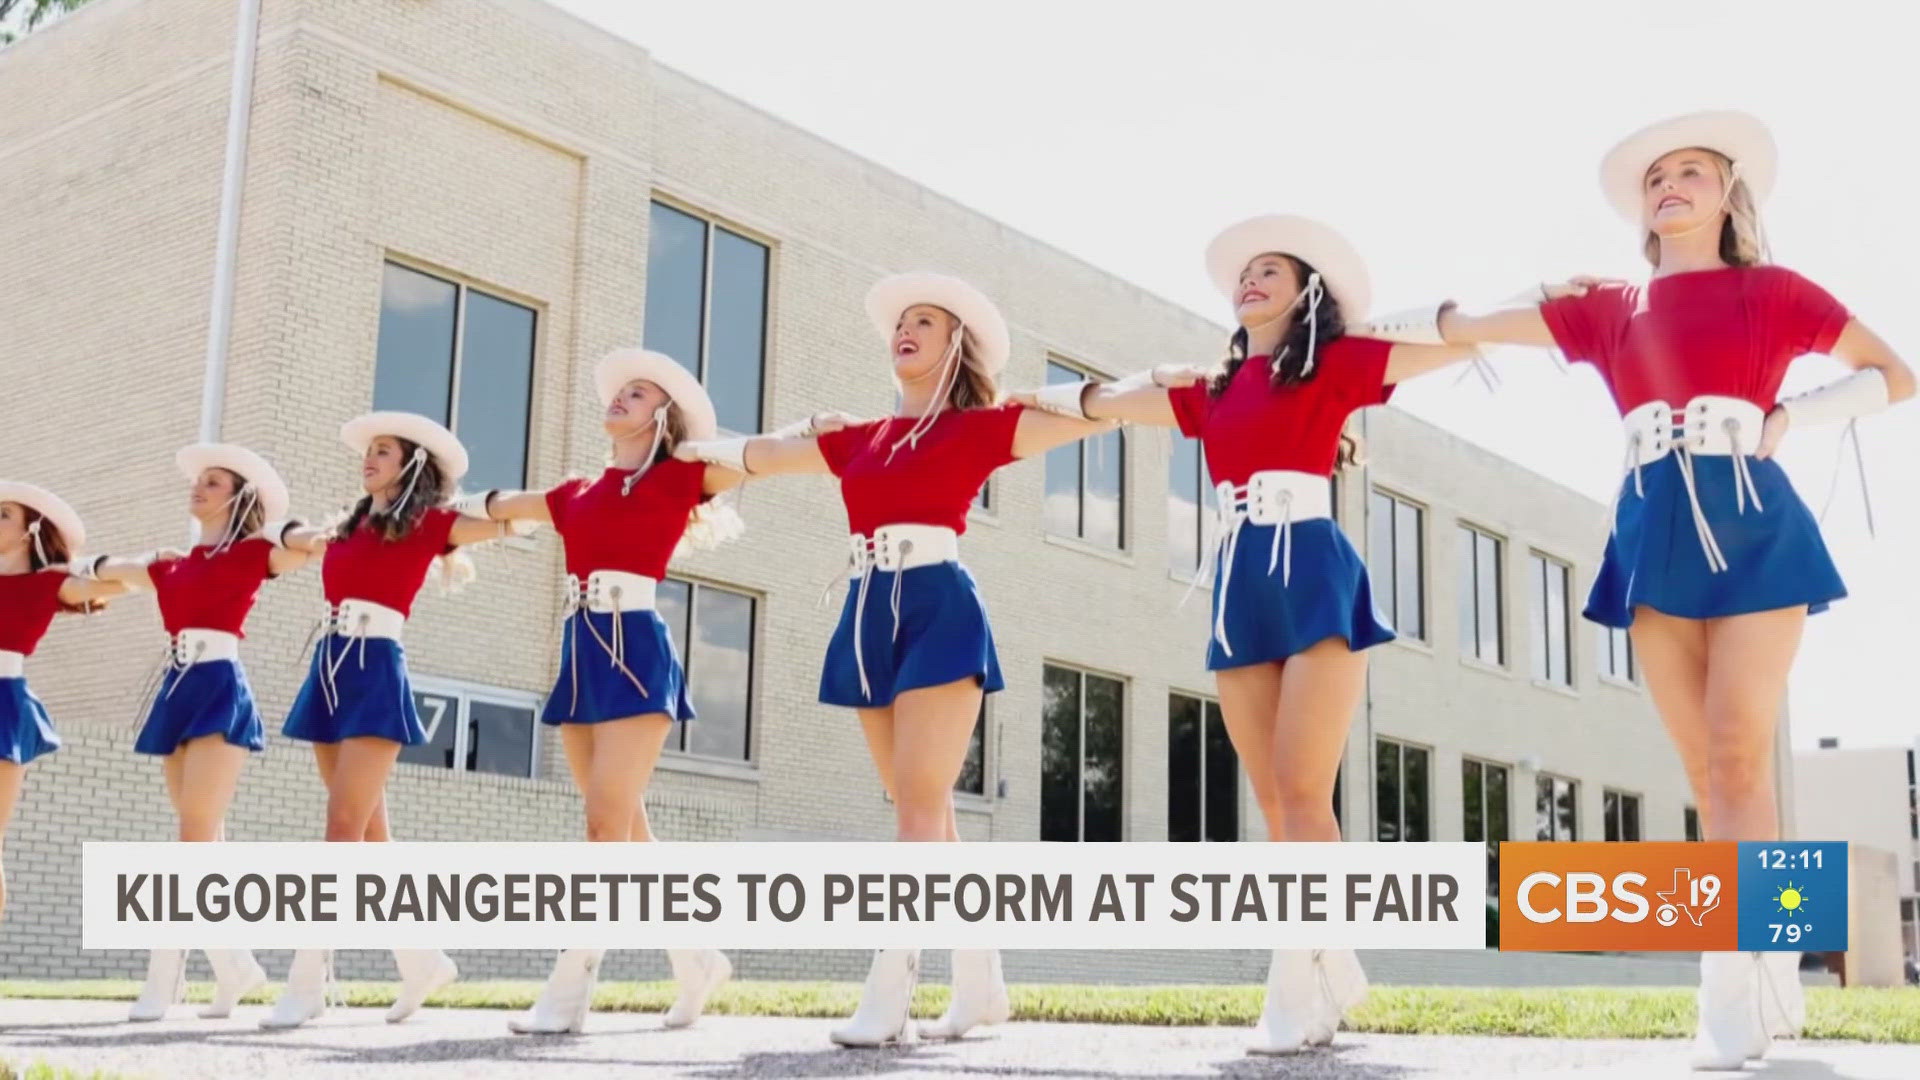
(1292, 361)
(51, 541)
(430, 490)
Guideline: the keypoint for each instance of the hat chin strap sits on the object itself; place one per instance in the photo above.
(659, 435)
(949, 368)
(39, 549)
(236, 518)
(415, 465)
(1312, 294)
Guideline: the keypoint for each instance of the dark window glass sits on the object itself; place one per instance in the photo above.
(496, 391)
(676, 285)
(500, 738)
(1386, 778)
(1184, 749)
(1103, 759)
(720, 673)
(1414, 801)
(1690, 823)
(738, 329)
(440, 716)
(973, 771)
(1060, 755)
(1223, 780)
(413, 369)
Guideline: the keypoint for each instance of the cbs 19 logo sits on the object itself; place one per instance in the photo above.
(1585, 897)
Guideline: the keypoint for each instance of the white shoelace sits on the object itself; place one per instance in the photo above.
(573, 605)
(1227, 545)
(867, 565)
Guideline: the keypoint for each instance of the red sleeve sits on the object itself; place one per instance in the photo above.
(50, 583)
(839, 447)
(1360, 364)
(436, 529)
(257, 551)
(1190, 405)
(691, 480)
(1806, 316)
(158, 569)
(1586, 328)
(993, 432)
(559, 497)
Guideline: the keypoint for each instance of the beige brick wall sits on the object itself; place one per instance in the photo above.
(506, 144)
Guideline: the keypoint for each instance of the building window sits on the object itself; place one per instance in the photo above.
(1080, 779)
(1203, 772)
(983, 499)
(464, 358)
(1551, 657)
(1616, 655)
(1913, 798)
(474, 728)
(1400, 791)
(1483, 792)
(973, 771)
(1690, 824)
(1553, 808)
(1480, 597)
(1339, 798)
(1086, 481)
(1186, 505)
(712, 629)
(1622, 812)
(707, 308)
(1394, 563)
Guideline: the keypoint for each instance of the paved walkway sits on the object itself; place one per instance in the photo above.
(475, 1043)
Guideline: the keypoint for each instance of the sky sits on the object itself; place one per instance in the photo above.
(1456, 145)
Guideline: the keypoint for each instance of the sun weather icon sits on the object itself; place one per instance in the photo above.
(1791, 899)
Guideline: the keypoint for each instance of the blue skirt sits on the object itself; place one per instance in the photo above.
(26, 731)
(1270, 617)
(210, 698)
(371, 694)
(596, 690)
(1775, 556)
(943, 636)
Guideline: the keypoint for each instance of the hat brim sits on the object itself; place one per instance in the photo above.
(1738, 136)
(359, 433)
(892, 296)
(244, 463)
(49, 506)
(1342, 271)
(622, 366)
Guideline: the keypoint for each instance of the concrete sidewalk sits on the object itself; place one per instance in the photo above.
(439, 1043)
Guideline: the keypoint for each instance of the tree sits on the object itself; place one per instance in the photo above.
(18, 17)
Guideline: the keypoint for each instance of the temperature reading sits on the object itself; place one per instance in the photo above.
(1790, 931)
(1705, 891)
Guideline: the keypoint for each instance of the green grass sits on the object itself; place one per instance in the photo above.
(41, 1071)
(1587, 1013)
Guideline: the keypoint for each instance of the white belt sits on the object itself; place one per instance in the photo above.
(892, 548)
(355, 620)
(1711, 424)
(190, 647)
(606, 592)
(13, 665)
(1274, 497)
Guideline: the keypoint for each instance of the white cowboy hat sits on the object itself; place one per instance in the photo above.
(244, 463)
(1737, 136)
(894, 295)
(51, 507)
(360, 432)
(622, 366)
(1342, 271)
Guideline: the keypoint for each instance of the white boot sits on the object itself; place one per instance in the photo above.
(568, 995)
(305, 996)
(1730, 1030)
(979, 995)
(235, 975)
(1783, 998)
(166, 982)
(1342, 984)
(885, 1000)
(699, 973)
(422, 971)
(1292, 1018)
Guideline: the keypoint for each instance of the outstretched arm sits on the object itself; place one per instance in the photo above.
(1879, 378)
(1411, 361)
(1140, 398)
(792, 449)
(80, 592)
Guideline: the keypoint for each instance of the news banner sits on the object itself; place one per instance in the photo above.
(1552, 896)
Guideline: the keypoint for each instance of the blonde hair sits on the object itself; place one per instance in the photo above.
(1742, 241)
(973, 387)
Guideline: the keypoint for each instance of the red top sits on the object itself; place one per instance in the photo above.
(931, 483)
(204, 591)
(1253, 427)
(635, 532)
(1730, 331)
(366, 566)
(28, 603)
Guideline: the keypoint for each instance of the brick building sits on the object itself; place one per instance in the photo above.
(454, 206)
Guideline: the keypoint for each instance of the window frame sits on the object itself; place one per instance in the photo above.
(1606, 636)
(1573, 795)
(1422, 639)
(1471, 534)
(466, 693)
(1401, 747)
(1239, 819)
(1124, 545)
(1203, 505)
(1690, 824)
(1613, 808)
(714, 221)
(673, 751)
(462, 285)
(1538, 563)
(1080, 765)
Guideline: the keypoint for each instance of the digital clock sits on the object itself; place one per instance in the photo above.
(1793, 896)
(1790, 858)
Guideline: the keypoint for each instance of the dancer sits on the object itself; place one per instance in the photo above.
(621, 685)
(356, 706)
(913, 652)
(38, 533)
(1293, 610)
(202, 722)
(1713, 563)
